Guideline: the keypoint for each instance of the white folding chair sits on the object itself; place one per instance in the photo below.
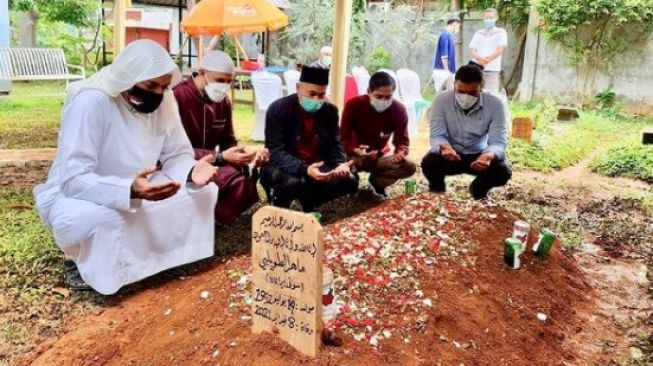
(291, 77)
(267, 88)
(439, 78)
(362, 78)
(411, 95)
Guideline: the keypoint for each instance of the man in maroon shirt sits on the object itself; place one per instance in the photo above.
(368, 121)
(206, 115)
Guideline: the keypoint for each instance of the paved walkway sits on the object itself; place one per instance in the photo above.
(30, 157)
(26, 157)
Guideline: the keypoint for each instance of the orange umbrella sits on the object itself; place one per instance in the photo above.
(233, 17)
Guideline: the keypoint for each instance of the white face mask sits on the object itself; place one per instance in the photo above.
(380, 105)
(217, 91)
(465, 101)
(326, 61)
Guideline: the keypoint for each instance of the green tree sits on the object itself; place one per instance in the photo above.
(78, 13)
(73, 25)
(311, 27)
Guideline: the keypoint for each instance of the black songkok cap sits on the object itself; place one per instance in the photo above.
(315, 75)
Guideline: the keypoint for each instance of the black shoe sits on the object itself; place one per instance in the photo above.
(477, 191)
(378, 191)
(74, 280)
(307, 207)
(438, 188)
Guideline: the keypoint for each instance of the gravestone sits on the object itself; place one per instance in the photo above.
(568, 113)
(522, 128)
(647, 137)
(287, 277)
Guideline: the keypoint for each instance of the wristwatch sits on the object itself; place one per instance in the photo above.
(219, 160)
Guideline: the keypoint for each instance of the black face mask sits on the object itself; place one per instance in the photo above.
(150, 101)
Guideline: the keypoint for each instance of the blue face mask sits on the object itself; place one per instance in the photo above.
(311, 105)
(489, 23)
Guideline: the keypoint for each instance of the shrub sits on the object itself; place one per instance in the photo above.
(630, 159)
(379, 59)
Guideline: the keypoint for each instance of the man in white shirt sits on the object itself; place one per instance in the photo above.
(324, 61)
(125, 198)
(487, 48)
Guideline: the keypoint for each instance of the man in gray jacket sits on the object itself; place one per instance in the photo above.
(468, 135)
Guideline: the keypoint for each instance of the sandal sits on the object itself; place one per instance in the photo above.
(73, 279)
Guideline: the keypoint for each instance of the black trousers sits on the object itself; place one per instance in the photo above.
(282, 188)
(436, 168)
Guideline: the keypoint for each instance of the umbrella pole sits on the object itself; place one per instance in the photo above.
(242, 49)
(237, 55)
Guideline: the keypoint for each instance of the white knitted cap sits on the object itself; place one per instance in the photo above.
(217, 61)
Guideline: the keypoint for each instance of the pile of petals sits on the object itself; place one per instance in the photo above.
(378, 259)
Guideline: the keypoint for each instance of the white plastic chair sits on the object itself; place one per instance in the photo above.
(267, 88)
(396, 94)
(411, 95)
(291, 77)
(362, 77)
(439, 77)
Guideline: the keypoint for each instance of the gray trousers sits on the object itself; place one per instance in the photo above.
(492, 81)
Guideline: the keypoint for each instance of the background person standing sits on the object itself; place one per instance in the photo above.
(487, 49)
(445, 53)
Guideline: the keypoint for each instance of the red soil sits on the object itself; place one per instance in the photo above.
(483, 314)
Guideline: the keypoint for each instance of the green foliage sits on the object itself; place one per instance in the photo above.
(78, 13)
(512, 12)
(605, 99)
(631, 159)
(549, 150)
(405, 33)
(379, 59)
(559, 145)
(28, 257)
(311, 27)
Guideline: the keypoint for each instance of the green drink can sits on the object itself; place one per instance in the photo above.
(512, 250)
(318, 216)
(411, 186)
(544, 243)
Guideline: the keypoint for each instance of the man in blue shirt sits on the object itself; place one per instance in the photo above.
(445, 54)
(468, 135)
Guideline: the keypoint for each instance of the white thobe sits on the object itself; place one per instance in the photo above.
(113, 239)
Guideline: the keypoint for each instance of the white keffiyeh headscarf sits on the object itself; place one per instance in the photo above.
(141, 60)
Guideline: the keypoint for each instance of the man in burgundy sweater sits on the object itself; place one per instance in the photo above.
(368, 121)
(307, 159)
(205, 111)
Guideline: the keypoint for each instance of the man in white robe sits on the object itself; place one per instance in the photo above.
(125, 198)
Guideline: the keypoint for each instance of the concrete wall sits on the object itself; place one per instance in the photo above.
(630, 78)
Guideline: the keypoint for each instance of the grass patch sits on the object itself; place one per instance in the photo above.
(558, 145)
(29, 259)
(30, 123)
(630, 159)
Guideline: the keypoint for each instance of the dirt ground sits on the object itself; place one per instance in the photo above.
(596, 297)
(483, 313)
